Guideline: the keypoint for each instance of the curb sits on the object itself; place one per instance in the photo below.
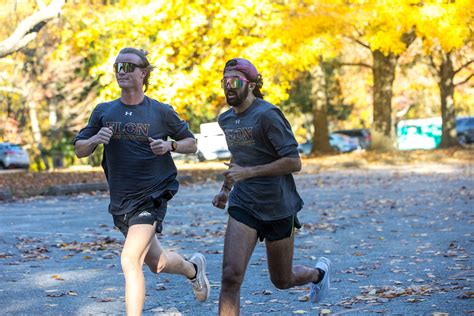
(76, 188)
(66, 189)
(6, 194)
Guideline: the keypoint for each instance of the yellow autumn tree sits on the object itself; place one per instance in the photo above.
(307, 33)
(188, 42)
(385, 28)
(447, 29)
(313, 29)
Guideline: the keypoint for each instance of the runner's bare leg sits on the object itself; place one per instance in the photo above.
(239, 243)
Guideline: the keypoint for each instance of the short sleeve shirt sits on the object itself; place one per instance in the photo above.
(136, 175)
(261, 135)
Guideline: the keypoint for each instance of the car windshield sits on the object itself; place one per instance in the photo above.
(338, 137)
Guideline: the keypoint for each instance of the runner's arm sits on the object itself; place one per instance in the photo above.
(186, 146)
(228, 183)
(279, 167)
(85, 147)
(282, 166)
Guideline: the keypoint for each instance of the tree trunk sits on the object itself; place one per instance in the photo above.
(320, 119)
(37, 132)
(448, 115)
(383, 136)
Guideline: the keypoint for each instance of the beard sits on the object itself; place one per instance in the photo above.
(236, 98)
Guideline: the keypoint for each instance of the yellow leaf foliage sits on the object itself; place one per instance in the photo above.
(189, 41)
(445, 23)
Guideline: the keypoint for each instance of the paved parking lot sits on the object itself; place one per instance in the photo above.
(400, 241)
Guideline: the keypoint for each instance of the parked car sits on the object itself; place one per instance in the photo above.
(13, 155)
(362, 134)
(340, 142)
(465, 130)
(305, 148)
(211, 142)
(343, 143)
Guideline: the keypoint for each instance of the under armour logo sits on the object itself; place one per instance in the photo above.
(128, 113)
(144, 214)
(237, 121)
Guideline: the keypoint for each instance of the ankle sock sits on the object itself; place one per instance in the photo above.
(195, 268)
(321, 275)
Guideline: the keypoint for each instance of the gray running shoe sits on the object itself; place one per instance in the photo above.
(320, 290)
(200, 283)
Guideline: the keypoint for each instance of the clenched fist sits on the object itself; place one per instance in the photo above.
(236, 173)
(103, 136)
(220, 200)
(159, 146)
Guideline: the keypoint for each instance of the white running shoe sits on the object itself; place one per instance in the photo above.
(200, 283)
(320, 290)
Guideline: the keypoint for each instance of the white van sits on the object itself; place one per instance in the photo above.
(211, 142)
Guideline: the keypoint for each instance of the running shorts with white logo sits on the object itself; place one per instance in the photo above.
(146, 214)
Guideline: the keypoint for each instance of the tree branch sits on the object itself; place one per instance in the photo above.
(404, 111)
(463, 66)
(358, 41)
(361, 43)
(464, 81)
(436, 71)
(41, 4)
(29, 28)
(356, 64)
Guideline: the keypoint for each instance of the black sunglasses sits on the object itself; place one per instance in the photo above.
(126, 67)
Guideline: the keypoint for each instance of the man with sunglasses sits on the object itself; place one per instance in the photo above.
(263, 201)
(141, 175)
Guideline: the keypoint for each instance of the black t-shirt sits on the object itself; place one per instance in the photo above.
(135, 175)
(261, 135)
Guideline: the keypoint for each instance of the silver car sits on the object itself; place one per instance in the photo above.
(13, 155)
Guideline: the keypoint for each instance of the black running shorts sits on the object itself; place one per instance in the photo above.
(270, 230)
(147, 214)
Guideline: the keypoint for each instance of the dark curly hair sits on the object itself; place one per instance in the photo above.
(258, 86)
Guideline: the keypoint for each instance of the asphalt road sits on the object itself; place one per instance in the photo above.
(401, 243)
